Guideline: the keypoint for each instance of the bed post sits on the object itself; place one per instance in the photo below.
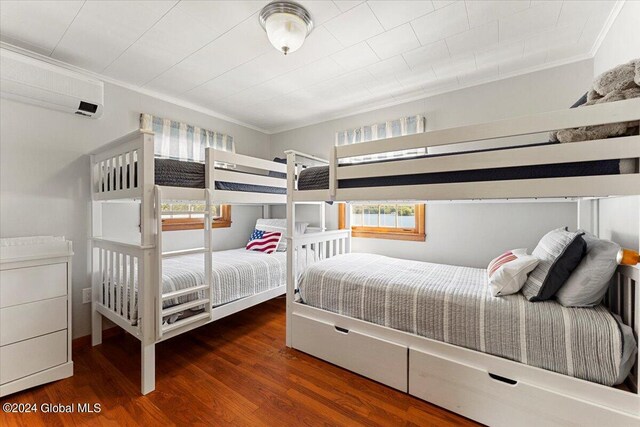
(96, 230)
(147, 285)
(291, 222)
(333, 169)
(588, 211)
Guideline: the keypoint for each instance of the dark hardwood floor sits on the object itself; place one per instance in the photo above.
(236, 371)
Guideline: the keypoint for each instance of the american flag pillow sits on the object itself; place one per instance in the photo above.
(264, 241)
(508, 272)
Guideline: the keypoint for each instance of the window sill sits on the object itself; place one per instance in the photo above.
(387, 235)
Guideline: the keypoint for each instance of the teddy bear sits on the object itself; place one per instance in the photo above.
(619, 83)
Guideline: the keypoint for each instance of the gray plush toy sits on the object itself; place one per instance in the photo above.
(619, 83)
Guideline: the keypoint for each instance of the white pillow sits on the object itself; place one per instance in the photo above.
(508, 272)
(274, 224)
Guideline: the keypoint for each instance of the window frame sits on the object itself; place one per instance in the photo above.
(179, 224)
(416, 234)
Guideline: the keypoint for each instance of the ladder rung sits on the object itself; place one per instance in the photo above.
(187, 305)
(186, 321)
(181, 292)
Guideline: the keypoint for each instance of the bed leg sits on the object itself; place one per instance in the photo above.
(96, 327)
(148, 368)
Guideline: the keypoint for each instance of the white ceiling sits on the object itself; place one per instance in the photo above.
(360, 54)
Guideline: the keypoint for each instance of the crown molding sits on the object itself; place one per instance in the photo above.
(615, 11)
(143, 91)
(421, 94)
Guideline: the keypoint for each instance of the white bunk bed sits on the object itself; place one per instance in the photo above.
(487, 388)
(127, 277)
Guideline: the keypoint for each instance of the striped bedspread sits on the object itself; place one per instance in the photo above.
(454, 305)
(237, 273)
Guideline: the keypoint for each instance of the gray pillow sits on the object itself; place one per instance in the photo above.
(589, 282)
(559, 252)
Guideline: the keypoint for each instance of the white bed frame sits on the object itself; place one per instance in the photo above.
(486, 388)
(137, 267)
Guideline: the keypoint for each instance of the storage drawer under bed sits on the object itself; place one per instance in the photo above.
(374, 358)
(476, 393)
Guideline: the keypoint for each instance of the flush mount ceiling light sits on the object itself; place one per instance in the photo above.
(287, 25)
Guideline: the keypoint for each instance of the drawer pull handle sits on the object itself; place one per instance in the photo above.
(503, 379)
(341, 330)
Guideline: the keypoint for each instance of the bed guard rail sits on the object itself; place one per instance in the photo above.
(123, 168)
(624, 147)
(225, 166)
(623, 299)
(120, 271)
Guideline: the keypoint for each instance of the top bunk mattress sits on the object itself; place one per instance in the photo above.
(317, 178)
(177, 173)
(454, 305)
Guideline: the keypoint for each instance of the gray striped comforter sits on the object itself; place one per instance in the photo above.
(237, 273)
(454, 305)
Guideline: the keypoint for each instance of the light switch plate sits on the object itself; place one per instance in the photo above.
(86, 295)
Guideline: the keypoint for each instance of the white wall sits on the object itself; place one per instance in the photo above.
(620, 217)
(466, 234)
(44, 170)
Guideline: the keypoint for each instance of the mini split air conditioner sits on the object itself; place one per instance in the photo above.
(30, 80)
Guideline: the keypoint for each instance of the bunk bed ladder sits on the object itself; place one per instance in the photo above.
(203, 293)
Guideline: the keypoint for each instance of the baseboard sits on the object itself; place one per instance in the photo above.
(85, 341)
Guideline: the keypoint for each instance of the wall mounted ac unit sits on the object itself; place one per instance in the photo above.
(30, 80)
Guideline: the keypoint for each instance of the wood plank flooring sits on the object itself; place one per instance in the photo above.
(236, 371)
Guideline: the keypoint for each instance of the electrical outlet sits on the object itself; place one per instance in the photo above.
(86, 295)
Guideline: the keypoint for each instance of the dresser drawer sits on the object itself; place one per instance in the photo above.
(29, 284)
(380, 360)
(34, 355)
(24, 321)
(495, 400)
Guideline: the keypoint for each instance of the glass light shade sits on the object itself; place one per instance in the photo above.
(286, 31)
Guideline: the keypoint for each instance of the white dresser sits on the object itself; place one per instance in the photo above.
(35, 312)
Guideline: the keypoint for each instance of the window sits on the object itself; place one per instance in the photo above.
(385, 221)
(189, 216)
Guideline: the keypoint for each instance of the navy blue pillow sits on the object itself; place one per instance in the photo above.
(284, 162)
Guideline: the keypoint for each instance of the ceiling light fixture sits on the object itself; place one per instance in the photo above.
(287, 25)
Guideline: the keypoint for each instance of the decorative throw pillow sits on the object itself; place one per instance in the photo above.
(264, 241)
(590, 280)
(559, 252)
(508, 272)
(274, 224)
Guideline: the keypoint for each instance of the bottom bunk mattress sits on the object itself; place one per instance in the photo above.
(237, 273)
(454, 305)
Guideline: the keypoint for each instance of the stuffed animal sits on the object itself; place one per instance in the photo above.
(619, 83)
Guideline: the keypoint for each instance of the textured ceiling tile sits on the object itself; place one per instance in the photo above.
(394, 42)
(442, 23)
(392, 13)
(355, 25)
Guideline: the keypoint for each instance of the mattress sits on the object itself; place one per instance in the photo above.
(177, 173)
(237, 273)
(317, 178)
(454, 305)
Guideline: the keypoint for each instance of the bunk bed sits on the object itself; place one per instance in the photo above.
(434, 331)
(153, 293)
